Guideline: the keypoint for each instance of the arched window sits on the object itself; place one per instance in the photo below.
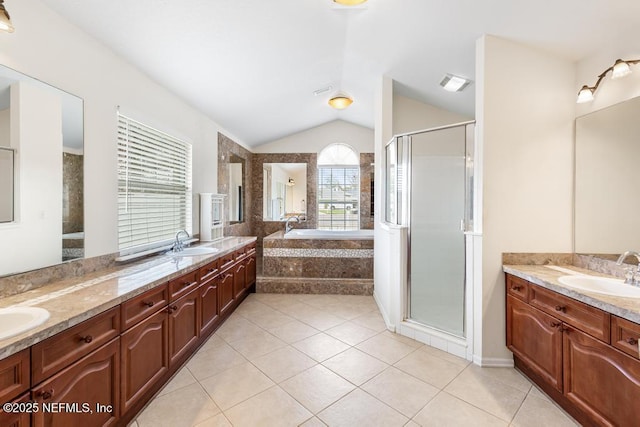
(338, 188)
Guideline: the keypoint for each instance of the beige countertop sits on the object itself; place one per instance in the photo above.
(74, 300)
(547, 277)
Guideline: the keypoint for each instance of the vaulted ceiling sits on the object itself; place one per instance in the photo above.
(253, 65)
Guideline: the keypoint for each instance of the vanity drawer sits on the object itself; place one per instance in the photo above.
(591, 320)
(625, 336)
(139, 308)
(183, 285)
(209, 272)
(14, 375)
(61, 350)
(518, 288)
(226, 261)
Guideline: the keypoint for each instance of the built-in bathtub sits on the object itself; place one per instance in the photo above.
(318, 262)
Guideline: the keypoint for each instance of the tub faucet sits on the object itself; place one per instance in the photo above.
(287, 225)
(179, 244)
(630, 277)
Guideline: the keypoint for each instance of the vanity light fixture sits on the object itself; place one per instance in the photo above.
(453, 83)
(291, 182)
(619, 69)
(340, 102)
(349, 2)
(5, 19)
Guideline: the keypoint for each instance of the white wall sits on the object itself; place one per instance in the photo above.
(6, 168)
(410, 115)
(524, 110)
(315, 139)
(47, 47)
(36, 132)
(5, 118)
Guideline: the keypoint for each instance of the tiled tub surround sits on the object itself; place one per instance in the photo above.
(73, 300)
(316, 266)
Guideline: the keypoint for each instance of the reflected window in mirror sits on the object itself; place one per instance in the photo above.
(237, 189)
(40, 123)
(284, 191)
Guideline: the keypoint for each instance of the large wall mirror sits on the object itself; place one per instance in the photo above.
(236, 189)
(606, 173)
(41, 173)
(284, 192)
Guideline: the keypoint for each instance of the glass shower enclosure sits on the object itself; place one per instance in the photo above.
(429, 186)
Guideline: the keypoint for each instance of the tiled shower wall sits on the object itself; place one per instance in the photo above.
(227, 147)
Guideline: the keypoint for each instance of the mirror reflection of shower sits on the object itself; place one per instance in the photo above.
(284, 190)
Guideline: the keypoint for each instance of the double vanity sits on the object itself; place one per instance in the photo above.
(115, 337)
(576, 335)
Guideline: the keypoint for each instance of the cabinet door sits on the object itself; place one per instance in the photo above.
(601, 381)
(90, 384)
(536, 338)
(14, 375)
(16, 418)
(209, 307)
(184, 326)
(239, 279)
(250, 263)
(225, 289)
(145, 357)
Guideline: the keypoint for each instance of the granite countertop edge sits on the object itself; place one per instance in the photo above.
(626, 308)
(113, 287)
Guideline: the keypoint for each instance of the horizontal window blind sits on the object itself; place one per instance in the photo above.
(154, 186)
(338, 197)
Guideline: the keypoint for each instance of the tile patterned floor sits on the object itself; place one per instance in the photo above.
(316, 360)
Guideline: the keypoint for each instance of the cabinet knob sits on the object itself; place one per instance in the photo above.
(86, 339)
(632, 341)
(561, 308)
(148, 303)
(516, 287)
(556, 324)
(47, 394)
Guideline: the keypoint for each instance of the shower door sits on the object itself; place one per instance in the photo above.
(438, 193)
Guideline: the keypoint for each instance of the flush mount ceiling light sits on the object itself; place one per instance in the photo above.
(340, 102)
(619, 69)
(5, 19)
(349, 2)
(454, 83)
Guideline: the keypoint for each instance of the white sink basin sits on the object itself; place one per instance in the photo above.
(16, 320)
(601, 285)
(198, 251)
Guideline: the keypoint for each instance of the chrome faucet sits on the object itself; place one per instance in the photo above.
(179, 244)
(287, 225)
(630, 278)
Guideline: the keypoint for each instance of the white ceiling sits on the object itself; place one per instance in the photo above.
(253, 65)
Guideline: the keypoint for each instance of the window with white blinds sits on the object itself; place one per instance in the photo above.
(154, 186)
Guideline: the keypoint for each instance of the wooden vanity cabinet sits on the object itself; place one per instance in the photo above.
(208, 290)
(16, 419)
(225, 291)
(250, 264)
(536, 338)
(239, 278)
(144, 357)
(60, 350)
(184, 326)
(90, 386)
(564, 347)
(602, 382)
(15, 375)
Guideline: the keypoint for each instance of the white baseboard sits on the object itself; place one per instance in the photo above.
(492, 362)
(385, 316)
